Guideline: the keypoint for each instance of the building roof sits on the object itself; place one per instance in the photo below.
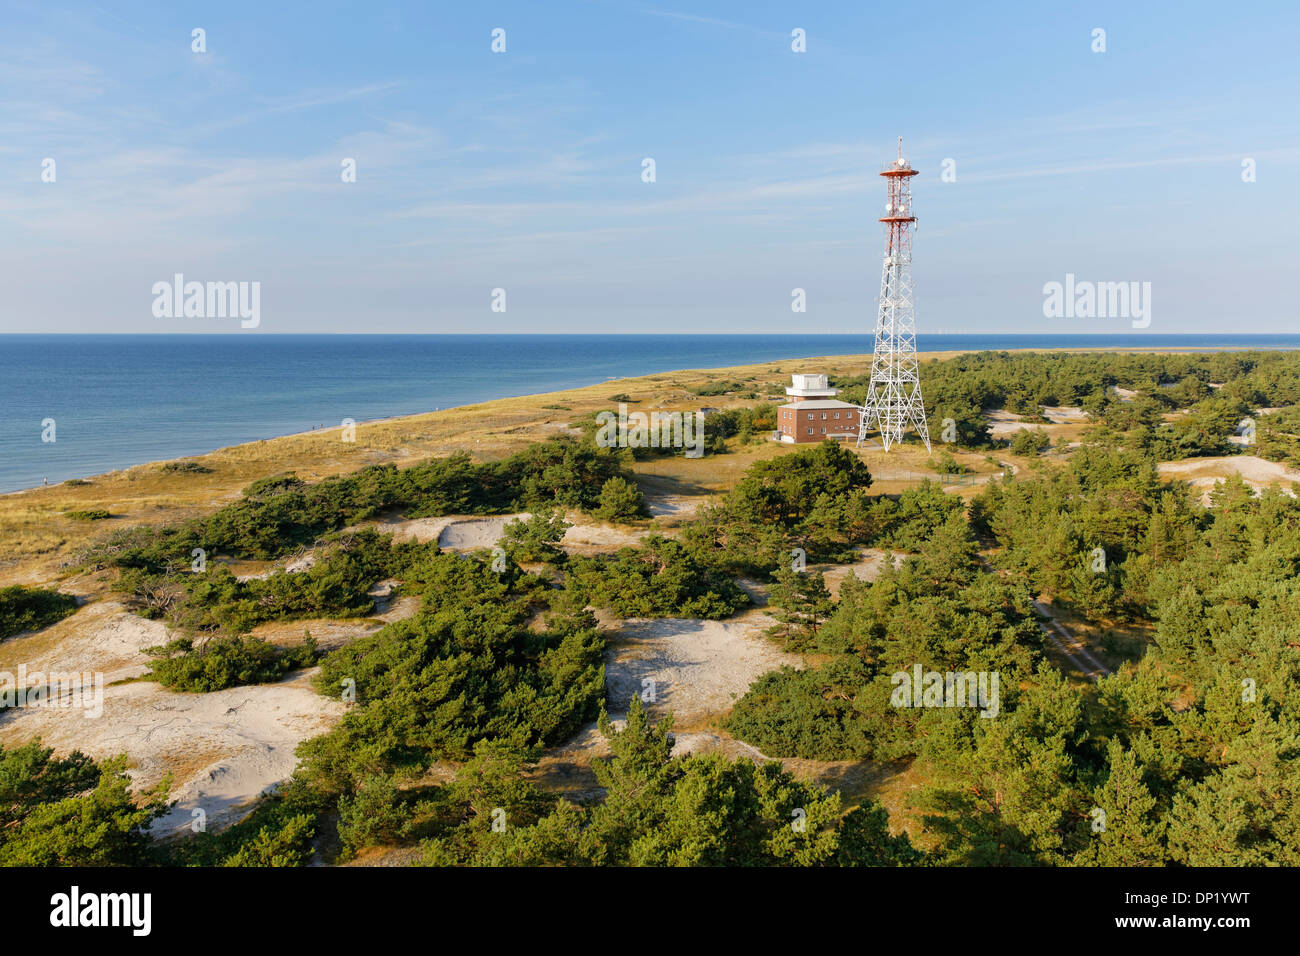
(823, 403)
(811, 385)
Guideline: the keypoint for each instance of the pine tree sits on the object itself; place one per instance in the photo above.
(1125, 824)
(800, 602)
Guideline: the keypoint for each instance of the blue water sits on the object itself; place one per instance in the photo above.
(120, 400)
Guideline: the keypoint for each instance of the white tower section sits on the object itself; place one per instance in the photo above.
(894, 395)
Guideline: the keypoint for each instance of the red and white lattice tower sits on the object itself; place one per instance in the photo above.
(894, 396)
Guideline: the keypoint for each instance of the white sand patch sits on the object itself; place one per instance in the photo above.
(1002, 423)
(1124, 394)
(413, 529)
(703, 743)
(298, 565)
(224, 748)
(1205, 473)
(680, 506)
(1064, 414)
(471, 534)
(452, 532)
(102, 637)
(698, 668)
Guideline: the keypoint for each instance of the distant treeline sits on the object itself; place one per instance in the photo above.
(1217, 389)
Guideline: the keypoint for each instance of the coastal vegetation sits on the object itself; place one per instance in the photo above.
(280, 513)
(453, 715)
(30, 609)
(73, 811)
(222, 662)
(87, 514)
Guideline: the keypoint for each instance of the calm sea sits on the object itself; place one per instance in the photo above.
(122, 400)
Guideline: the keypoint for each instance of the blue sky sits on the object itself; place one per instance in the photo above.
(522, 170)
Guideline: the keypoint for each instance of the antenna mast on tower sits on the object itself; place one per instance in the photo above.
(894, 396)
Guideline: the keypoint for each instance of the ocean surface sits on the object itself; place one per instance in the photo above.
(120, 400)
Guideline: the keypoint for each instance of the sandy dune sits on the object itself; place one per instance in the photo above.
(452, 532)
(1205, 473)
(1004, 424)
(678, 506)
(471, 534)
(696, 669)
(476, 533)
(223, 749)
(102, 637)
(1064, 414)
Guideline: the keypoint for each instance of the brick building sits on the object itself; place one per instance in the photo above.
(814, 414)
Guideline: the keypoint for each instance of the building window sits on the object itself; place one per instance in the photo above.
(837, 414)
(810, 416)
(823, 416)
(810, 431)
(823, 431)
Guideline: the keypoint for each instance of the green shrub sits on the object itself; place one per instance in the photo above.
(537, 538)
(337, 585)
(88, 514)
(620, 500)
(1030, 441)
(662, 578)
(715, 388)
(31, 609)
(222, 662)
(72, 811)
(945, 464)
(278, 832)
(282, 512)
(468, 667)
(186, 467)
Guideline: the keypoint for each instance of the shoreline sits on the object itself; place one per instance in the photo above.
(858, 358)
